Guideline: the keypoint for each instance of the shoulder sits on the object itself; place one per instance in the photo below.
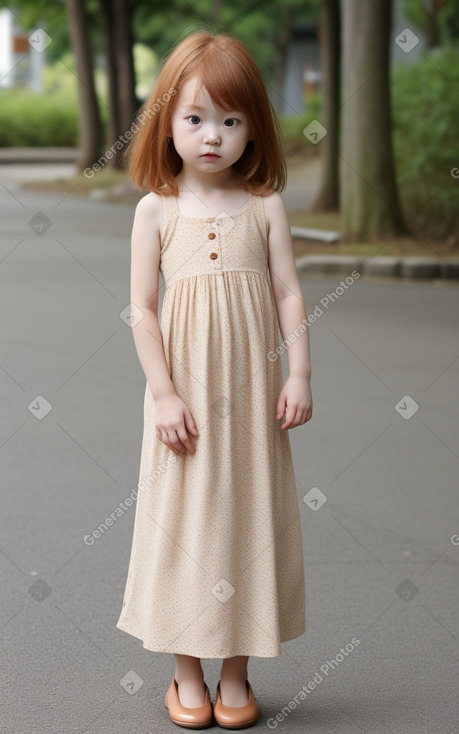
(149, 212)
(274, 207)
(148, 220)
(273, 202)
(150, 205)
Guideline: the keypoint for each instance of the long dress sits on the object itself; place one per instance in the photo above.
(216, 566)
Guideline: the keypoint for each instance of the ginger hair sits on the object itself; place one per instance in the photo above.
(225, 67)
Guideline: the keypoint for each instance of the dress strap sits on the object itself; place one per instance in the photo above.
(170, 215)
(170, 205)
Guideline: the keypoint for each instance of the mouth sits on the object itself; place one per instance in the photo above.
(210, 155)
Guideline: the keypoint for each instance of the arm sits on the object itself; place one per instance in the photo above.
(145, 258)
(291, 312)
(173, 418)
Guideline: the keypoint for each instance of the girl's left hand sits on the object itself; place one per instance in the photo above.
(295, 400)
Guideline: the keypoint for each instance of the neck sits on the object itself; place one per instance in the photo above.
(207, 183)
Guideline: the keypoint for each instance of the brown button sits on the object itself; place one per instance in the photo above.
(213, 255)
(212, 235)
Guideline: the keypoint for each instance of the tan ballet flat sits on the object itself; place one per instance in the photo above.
(193, 718)
(239, 717)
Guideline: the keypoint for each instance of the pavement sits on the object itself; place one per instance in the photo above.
(376, 472)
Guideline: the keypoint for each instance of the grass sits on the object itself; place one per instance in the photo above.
(400, 246)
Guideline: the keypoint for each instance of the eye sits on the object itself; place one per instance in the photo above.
(230, 119)
(194, 117)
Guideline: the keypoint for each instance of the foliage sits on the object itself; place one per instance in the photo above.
(30, 119)
(425, 109)
(50, 117)
(145, 64)
(162, 25)
(446, 19)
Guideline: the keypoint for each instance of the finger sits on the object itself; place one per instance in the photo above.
(176, 442)
(299, 418)
(162, 437)
(167, 443)
(190, 424)
(165, 440)
(290, 415)
(280, 408)
(186, 441)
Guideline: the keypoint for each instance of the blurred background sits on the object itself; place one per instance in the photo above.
(73, 76)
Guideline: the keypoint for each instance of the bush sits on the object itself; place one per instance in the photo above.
(30, 119)
(425, 110)
(47, 118)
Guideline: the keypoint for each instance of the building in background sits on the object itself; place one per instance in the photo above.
(22, 55)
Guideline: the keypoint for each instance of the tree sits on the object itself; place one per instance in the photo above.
(118, 42)
(329, 44)
(369, 201)
(90, 124)
(438, 19)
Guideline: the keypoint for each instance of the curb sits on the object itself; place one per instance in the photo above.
(416, 268)
(38, 155)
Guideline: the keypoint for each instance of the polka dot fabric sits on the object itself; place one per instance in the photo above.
(216, 566)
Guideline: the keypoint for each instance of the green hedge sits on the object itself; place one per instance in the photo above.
(425, 111)
(30, 119)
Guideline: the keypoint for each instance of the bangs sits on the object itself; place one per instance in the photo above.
(227, 83)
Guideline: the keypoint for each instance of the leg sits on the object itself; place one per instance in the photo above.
(232, 681)
(190, 680)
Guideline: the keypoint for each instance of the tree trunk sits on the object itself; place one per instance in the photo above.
(106, 15)
(122, 101)
(90, 123)
(369, 202)
(282, 42)
(329, 44)
(124, 63)
(432, 8)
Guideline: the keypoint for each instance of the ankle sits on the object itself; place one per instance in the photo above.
(190, 677)
(233, 677)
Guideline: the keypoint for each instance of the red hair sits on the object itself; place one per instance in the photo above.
(225, 67)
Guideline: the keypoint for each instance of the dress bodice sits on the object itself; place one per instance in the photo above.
(192, 246)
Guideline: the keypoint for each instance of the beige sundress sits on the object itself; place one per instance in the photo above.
(216, 566)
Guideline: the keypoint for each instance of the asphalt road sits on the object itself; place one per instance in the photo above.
(380, 524)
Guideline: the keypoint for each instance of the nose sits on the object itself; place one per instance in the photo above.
(211, 137)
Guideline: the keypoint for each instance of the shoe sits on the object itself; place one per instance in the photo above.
(193, 718)
(236, 717)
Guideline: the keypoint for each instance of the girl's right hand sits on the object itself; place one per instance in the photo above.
(172, 419)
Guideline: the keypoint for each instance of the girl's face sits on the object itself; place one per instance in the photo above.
(199, 128)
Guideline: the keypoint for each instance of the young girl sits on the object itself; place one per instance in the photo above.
(216, 567)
